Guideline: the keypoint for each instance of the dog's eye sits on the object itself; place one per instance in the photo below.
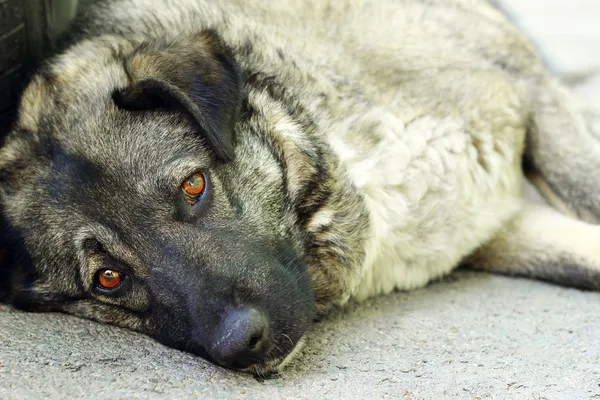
(109, 278)
(193, 187)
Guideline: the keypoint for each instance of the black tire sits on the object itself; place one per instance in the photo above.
(28, 32)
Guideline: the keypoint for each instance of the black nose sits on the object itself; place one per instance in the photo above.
(241, 339)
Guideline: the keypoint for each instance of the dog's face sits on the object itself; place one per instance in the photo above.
(136, 196)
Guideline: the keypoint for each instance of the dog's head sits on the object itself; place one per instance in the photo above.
(134, 194)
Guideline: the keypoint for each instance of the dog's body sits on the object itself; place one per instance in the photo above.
(380, 143)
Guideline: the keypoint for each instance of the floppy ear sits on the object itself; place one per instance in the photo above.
(16, 269)
(196, 75)
(6, 266)
(13, 158)
(5, 270)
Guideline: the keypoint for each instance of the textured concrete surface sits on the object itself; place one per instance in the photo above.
(472, 336)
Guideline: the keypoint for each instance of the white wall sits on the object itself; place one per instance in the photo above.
(568, 31)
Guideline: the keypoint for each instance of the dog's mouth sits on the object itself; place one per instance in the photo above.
(274, 365)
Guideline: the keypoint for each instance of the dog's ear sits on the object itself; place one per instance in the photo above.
(15, 267)
(196, 75)
(19, 147)
(5, 272)
(6, 266)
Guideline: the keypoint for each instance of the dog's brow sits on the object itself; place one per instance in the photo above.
(176, 171)
(171, 174)
(109, 240)
(98, 232)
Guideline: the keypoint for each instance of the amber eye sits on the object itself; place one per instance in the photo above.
(109, 278)
(193, 187)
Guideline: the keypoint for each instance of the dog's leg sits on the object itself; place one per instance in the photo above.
(542, 243)
(563, 152)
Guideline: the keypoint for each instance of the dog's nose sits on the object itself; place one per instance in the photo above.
(242, 339)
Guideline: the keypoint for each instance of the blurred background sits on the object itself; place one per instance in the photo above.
(29, 31)
(567, 31)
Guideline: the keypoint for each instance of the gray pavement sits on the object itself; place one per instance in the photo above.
(472, 336)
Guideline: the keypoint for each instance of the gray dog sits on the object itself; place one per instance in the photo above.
(216, 174)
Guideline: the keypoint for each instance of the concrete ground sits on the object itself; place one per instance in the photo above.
(472, 336)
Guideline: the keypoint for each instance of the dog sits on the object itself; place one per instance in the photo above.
(217, 175)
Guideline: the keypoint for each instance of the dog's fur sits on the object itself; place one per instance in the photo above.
(351, 148)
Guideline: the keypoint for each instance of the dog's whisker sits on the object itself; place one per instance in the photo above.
(288, 338)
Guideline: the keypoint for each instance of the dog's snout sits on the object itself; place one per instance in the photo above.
(242, 339)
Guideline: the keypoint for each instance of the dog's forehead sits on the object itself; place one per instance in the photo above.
(141, 149)
(114, 182)
(80, 115)
(91, 149)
